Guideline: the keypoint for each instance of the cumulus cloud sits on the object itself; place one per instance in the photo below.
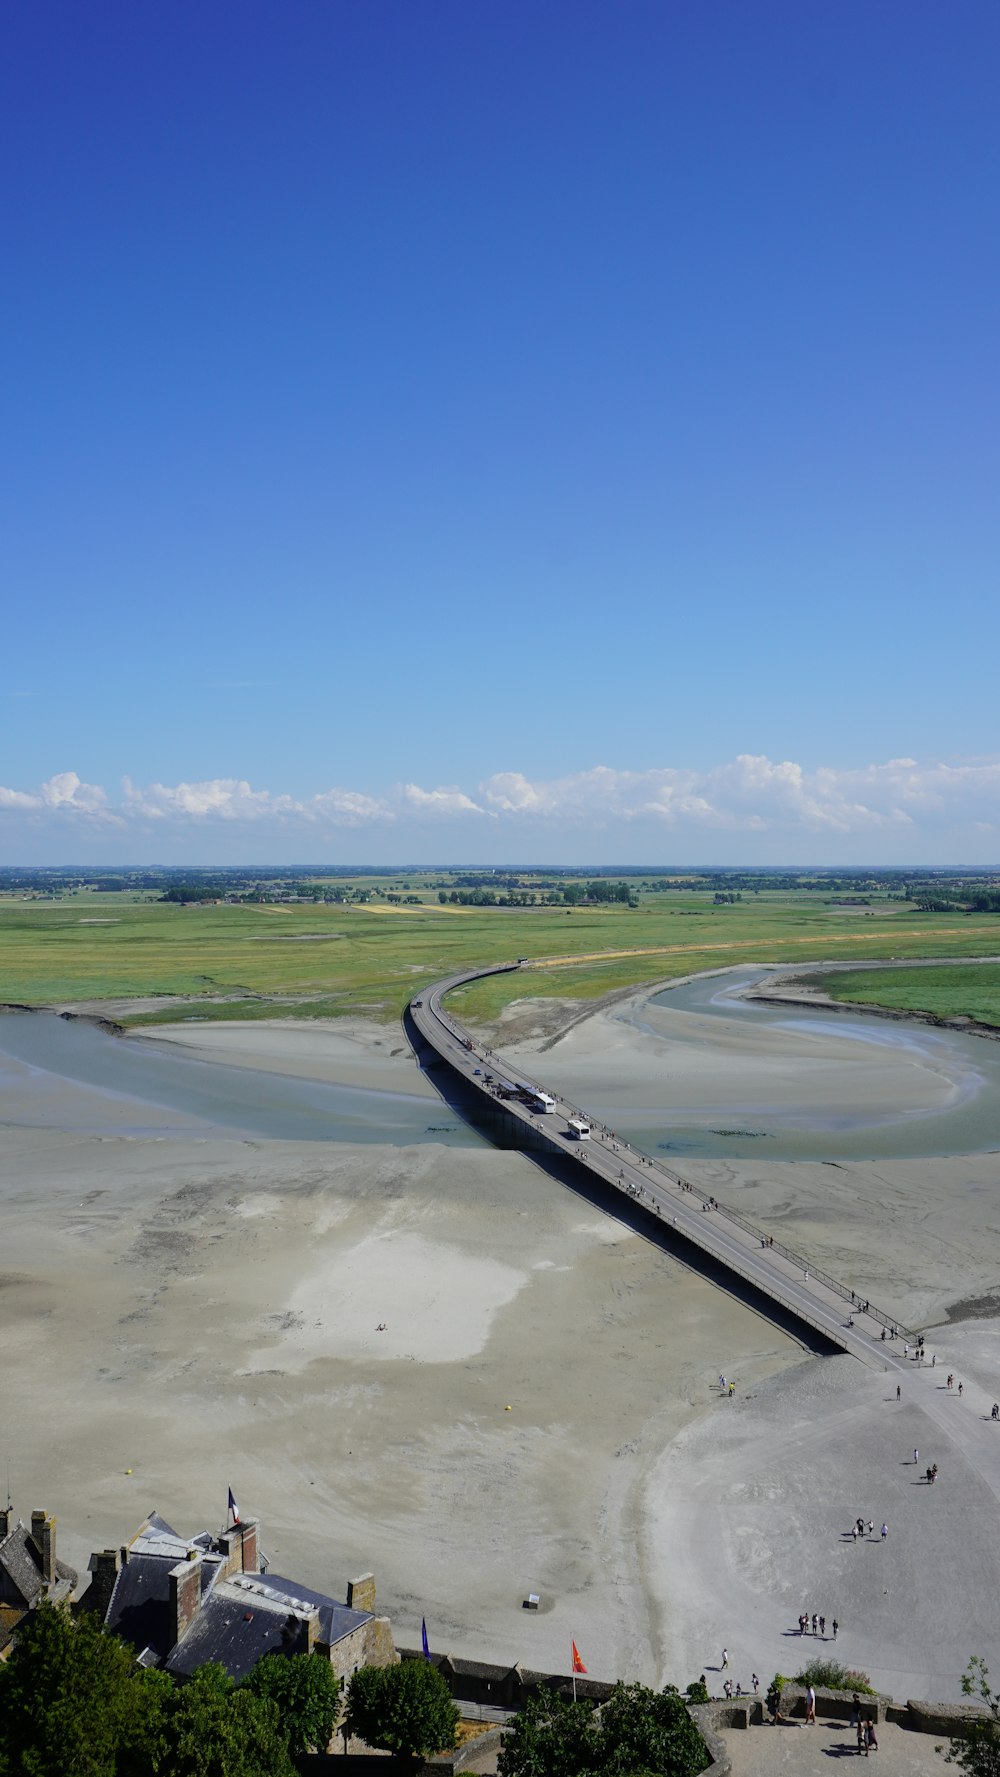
(753, 793)
(438, 802)
(65, 793)
(749, 794)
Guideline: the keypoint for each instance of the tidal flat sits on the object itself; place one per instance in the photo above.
(188, 1307)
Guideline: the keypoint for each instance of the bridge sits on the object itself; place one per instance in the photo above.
(791, 1281)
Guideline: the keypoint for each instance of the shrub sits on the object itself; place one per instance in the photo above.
(830, 1675)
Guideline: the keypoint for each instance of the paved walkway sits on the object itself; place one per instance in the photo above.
(810, 1751)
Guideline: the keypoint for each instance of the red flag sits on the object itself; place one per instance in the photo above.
(578, 1665)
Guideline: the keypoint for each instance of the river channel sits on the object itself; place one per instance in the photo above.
(68, 1073)
(742, 1079)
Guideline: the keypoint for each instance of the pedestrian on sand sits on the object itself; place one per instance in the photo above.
(811, 1706)
(871, 1527)
(725, 1660)
(728, 1689)
(835, 1626)
(996, 1410)
(854, 1532)
(899, 1392)
(822, 1627)
(916, 1457)
(755, 1681)
(960, 1388)
(815, 1622)
(885, 1531)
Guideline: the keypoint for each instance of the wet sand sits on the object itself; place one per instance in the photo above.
(202, 1311)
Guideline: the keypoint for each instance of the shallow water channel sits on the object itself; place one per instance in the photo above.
(797, 1083)
(109, 1085)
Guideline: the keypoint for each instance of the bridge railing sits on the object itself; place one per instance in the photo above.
(849, 1297)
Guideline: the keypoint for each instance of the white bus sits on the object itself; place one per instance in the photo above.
(577, 1128)
(540, 1101)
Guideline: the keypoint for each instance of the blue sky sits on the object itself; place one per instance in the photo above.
(540, 431)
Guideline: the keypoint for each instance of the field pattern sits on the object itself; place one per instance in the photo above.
(251, 961)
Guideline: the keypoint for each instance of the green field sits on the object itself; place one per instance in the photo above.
(946, 992)
(326, 960)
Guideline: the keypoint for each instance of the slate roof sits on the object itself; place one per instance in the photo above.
(239, 1619)
(22, 1583)
(19, 1566)
(139, 1609)
(247, 1616)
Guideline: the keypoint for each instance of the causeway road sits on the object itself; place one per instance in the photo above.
(820, 1302)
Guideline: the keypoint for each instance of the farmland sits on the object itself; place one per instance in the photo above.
(322, 958)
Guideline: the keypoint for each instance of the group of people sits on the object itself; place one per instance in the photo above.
(731, 1690)
(859, 1526)
(818, 1625)
(864, 1727)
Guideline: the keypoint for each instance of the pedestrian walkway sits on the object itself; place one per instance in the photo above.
(807, 1751)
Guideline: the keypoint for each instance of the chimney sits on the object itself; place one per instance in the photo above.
(185, 1594)
(4, 1522)
(238, 1548)
(103, 1564)
(361, 1593)
(43, 1535)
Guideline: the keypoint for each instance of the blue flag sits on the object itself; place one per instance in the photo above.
(423, 1638)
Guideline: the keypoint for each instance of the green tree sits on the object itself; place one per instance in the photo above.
(215, 1730)
(405, 1709)
(551, 1737)
(71, 1699)
(978, 1751)
(304, 1690)
(637, 1730)
(644, 1730)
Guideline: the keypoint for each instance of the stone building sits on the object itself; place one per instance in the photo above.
(29, 1570)
(184, 1601)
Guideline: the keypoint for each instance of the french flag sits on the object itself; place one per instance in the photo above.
(234, 1510)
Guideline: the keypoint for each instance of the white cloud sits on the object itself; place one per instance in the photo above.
(749, 794)
(752, 793)
(438, 802)
(66, 794)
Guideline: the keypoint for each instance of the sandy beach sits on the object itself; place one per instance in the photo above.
(182, 1313)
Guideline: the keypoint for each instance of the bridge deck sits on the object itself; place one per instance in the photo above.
(819, 1301)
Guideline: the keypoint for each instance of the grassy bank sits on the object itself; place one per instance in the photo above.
(960, 992)
(323, 960)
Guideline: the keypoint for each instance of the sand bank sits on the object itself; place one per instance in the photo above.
(345, 1052)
